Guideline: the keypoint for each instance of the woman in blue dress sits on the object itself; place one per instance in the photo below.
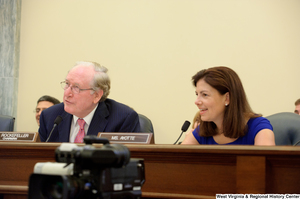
(225, 114)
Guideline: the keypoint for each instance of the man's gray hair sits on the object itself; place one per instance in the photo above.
(101, 79)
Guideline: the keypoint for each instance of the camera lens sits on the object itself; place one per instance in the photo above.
(53, 189)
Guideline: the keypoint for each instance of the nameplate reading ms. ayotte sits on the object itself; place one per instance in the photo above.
(19, 137)
(128, 138)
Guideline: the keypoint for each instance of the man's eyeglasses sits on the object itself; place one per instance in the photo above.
(65, 85)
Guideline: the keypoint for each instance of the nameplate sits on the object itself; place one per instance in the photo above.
(19, 137)
(128, 138)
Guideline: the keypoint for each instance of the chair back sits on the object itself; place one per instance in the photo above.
(146, 124)
(286, 127)
(7, 123)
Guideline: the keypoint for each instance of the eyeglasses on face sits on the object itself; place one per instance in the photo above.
(75, 89)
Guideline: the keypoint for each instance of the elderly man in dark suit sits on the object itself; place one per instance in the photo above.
(86, 110)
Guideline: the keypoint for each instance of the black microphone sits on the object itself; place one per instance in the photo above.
(184, 128)
(57, 121)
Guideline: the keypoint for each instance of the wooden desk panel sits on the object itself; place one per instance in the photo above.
(222, 169)
(179, 171)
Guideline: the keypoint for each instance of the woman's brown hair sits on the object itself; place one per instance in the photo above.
(237, 113)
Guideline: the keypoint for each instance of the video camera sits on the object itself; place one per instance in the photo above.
(88, 173)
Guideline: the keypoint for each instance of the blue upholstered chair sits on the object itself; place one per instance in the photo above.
(146, 124)
(286, 128)
(7, 123)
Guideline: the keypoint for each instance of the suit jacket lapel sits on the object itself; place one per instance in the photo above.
(99, 120)
(64, 127)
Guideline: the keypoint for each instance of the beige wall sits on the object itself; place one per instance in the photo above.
(153, 47)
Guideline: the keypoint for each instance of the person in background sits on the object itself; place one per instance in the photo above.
(196, 120)
(43, 103)
(86, 110)
(195, 124)
(225, 114)
(297, 107)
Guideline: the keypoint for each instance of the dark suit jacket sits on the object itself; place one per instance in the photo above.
(110, 116)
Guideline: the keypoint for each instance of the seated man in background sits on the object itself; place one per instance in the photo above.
(297, 107)
(85, 109)
(43, 103)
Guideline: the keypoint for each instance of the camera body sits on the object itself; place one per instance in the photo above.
(88, 173)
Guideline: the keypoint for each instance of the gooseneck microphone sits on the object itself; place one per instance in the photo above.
(184, 128)
(296, 143)
(57, 121)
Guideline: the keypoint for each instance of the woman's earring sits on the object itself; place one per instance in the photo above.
(226, 104)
